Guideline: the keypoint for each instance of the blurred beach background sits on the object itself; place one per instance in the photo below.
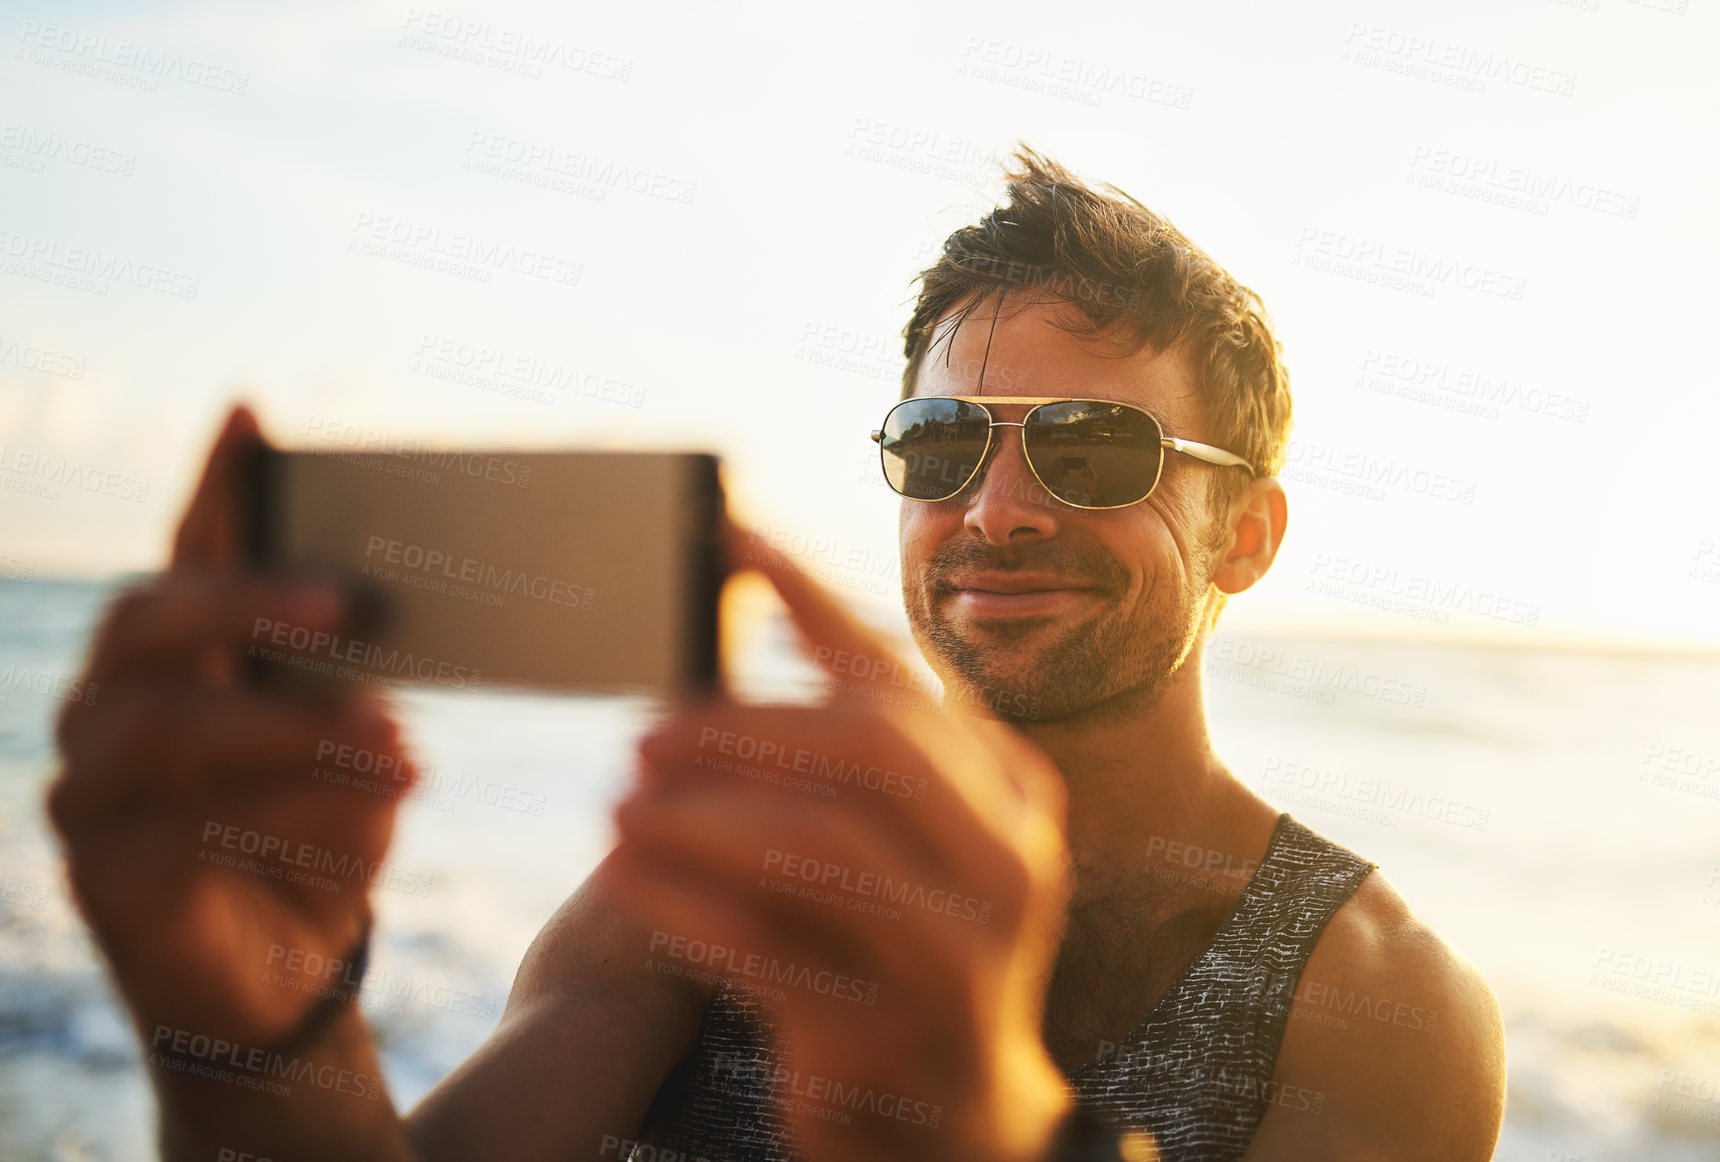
(1488, 657)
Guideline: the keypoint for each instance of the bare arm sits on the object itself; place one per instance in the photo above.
(588, 1035)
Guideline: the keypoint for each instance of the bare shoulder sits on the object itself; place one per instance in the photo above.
(593, 943)
(1394, 1047)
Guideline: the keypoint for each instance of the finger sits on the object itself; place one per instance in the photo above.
(170, 625)
(845, 884)
(861, 659)
(827, 758)
(841, 879)
(676, 900)
(325, 831)
(337, 836)
(958, 798)
(208, 536)
(160, 746)
(870, 669)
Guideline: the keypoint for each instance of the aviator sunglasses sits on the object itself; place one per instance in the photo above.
(1089, 453)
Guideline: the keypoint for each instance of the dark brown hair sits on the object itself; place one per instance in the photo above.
(1125, 268)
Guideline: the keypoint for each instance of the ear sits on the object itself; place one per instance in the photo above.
(1257, 520)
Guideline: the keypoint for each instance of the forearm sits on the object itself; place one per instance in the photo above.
(324, 1101)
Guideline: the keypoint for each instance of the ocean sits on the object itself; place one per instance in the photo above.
(1553, 813)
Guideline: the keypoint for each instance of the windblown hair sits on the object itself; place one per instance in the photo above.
(1132, 276)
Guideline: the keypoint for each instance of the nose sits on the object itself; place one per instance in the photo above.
(1007, 503)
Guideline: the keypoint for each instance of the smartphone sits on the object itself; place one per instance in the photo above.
(589, 571)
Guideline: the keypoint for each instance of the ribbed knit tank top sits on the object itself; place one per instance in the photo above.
(1196, 1072)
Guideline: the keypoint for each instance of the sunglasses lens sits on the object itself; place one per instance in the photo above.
(932, 446)
(1094, 454)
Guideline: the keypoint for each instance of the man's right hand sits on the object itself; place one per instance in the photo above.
(198, 839)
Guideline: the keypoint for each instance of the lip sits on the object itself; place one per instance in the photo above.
(1015, 594)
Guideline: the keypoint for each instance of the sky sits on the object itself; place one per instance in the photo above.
(1482, 229)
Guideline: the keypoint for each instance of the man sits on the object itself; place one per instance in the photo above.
(946, 933)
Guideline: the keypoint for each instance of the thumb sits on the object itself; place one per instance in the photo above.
(208, 536)
(837, 641)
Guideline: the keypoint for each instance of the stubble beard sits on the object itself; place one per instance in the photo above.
(1113, 665)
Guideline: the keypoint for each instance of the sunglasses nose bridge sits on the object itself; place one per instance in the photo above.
(997, 447)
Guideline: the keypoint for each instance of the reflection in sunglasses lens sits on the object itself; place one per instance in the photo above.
(1094, 454)
(932, 447)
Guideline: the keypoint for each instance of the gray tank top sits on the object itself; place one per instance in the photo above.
(1196, 1072)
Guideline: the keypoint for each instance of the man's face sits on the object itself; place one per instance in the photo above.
(1019, 600)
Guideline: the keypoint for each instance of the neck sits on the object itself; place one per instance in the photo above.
(1163, 839)
(1139, 783)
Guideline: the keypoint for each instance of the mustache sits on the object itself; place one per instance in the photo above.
(1083, 562)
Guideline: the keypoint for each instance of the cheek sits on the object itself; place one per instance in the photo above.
(921, 528)
(1150, 553)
